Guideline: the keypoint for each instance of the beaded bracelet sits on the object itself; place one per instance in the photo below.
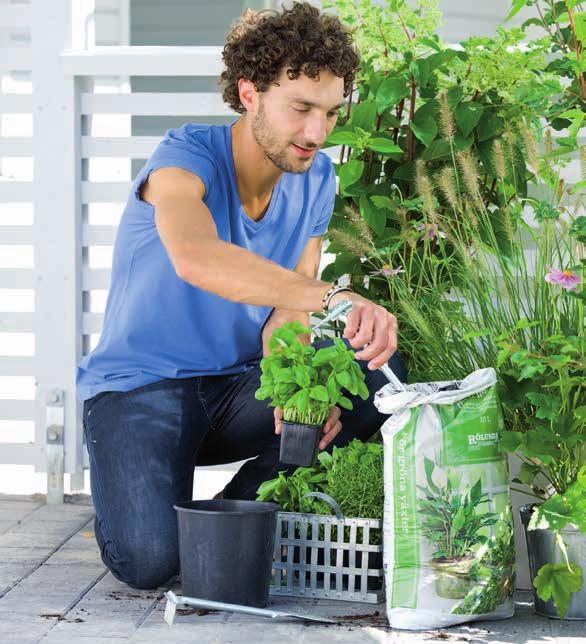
(335, 288)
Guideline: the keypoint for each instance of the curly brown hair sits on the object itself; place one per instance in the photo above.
(261, 43)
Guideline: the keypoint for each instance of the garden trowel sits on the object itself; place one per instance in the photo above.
(174, 600)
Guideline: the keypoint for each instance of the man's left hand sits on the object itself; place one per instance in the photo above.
(332, 427)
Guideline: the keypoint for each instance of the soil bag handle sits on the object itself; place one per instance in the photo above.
(328, 499)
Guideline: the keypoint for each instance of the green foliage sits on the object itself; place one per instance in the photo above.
(558, 581)
(449, 515)
(561, 510)
(563, 27)
(548, 385)
(384, 33)
(352, 475)
(437, 235)
(355, 479)
(288, 491)
(568, 509)
(498, 66)
(421, 101)
(304, 382)
(437, 232)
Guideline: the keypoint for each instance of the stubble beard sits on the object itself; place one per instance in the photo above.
(272, 148)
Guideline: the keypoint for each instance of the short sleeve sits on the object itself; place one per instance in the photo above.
(326, 206)
(184, 149)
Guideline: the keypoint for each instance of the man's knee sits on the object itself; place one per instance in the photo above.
(145, 564)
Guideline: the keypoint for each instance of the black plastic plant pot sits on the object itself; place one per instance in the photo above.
(226, 550)
(299, 443)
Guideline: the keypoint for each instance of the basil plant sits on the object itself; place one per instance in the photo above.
(305, 382)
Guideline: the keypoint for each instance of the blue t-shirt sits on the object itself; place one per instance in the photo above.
(157, 325)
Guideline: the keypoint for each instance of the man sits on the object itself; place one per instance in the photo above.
(218, 245)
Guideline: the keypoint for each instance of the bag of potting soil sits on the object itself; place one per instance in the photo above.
(448, 533)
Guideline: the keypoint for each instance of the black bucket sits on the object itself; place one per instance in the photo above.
(226, 549)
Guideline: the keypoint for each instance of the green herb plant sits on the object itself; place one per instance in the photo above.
(305, 382)
(288, 491)
(352, 475)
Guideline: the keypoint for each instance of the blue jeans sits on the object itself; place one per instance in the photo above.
(143, 446)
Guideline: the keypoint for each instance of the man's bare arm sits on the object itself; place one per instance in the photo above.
(189, 234)
(307, 265)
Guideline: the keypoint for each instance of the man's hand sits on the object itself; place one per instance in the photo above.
(369, 323)
(331, 428)
(276, 319)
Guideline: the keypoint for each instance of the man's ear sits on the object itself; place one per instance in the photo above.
(248, 95)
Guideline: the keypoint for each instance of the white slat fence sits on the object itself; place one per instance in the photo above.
(82, 104)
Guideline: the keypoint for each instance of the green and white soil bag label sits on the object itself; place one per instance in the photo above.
(448, 531)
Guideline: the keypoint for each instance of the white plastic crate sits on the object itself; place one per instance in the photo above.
(343, 564)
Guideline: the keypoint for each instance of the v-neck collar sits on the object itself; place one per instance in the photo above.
(251, 223)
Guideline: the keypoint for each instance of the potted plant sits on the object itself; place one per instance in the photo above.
(552, 447)
(305, 383)
(452, 524)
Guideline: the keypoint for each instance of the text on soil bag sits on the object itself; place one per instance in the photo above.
(406, 565)
(472, 430)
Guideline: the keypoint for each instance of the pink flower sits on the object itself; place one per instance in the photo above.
(565, 279)
(431, 231)
(387, 271)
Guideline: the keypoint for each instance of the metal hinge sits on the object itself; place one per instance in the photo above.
(55, 424)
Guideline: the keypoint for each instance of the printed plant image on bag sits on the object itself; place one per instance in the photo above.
(467, 538)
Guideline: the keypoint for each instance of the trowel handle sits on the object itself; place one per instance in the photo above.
(340, 312)
(391, 377)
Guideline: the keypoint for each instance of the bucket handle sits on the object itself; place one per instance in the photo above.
(328, 499)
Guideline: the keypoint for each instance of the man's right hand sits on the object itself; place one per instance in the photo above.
(369, 323)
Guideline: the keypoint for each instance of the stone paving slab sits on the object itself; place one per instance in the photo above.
(57, 591)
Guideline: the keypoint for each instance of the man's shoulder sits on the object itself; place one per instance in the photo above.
(195, 136)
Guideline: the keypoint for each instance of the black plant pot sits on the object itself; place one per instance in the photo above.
(226, 549)
(299, 443)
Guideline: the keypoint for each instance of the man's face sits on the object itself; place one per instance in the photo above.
(294, 118)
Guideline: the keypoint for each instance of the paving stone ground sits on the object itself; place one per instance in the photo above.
(54, 589)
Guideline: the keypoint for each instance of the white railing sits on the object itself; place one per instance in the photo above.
(83, 147)
(85, 68)
(17, 276)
